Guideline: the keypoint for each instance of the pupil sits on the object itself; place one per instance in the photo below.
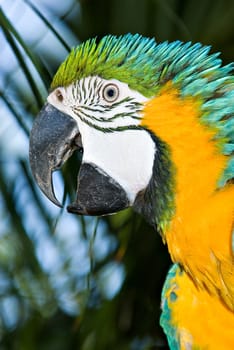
(110, 92)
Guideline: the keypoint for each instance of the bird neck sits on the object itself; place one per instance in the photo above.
(202, 222)
(195, 155)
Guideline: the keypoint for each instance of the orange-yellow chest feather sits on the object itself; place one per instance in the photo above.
(200, 234)
(201, 321)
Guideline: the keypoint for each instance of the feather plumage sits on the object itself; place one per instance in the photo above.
(189, 108)
(147, 66)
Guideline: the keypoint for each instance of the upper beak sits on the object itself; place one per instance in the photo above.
(53, 139)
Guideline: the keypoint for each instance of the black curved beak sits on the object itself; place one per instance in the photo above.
(53, 139)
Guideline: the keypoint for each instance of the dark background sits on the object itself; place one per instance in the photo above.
(68, 282)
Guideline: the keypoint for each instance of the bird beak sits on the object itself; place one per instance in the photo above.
(52, 141)
(54, 137)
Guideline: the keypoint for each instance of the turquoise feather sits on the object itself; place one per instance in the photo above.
(166, 318)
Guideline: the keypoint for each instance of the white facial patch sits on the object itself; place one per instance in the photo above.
(108, 113)
(127, 156)
(87, 100)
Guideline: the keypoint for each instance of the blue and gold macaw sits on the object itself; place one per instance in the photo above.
(155, 123)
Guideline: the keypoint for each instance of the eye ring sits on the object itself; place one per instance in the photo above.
(59, 95)
(110, 93)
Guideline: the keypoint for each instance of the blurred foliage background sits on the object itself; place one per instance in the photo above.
(70, 282)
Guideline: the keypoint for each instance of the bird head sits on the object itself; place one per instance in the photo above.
(106, 99)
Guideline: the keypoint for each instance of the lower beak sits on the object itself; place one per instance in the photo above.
(53, 139)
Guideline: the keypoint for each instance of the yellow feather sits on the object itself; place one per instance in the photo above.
(200, 234)
(200, 319)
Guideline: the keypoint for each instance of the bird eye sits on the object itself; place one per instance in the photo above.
(59, 95)
(111, 92)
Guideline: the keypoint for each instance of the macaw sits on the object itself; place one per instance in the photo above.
(155, 124)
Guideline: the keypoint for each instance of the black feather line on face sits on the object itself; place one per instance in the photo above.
(157, 202)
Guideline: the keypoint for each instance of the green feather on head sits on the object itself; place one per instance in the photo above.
(147, 66)
(126, 58)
